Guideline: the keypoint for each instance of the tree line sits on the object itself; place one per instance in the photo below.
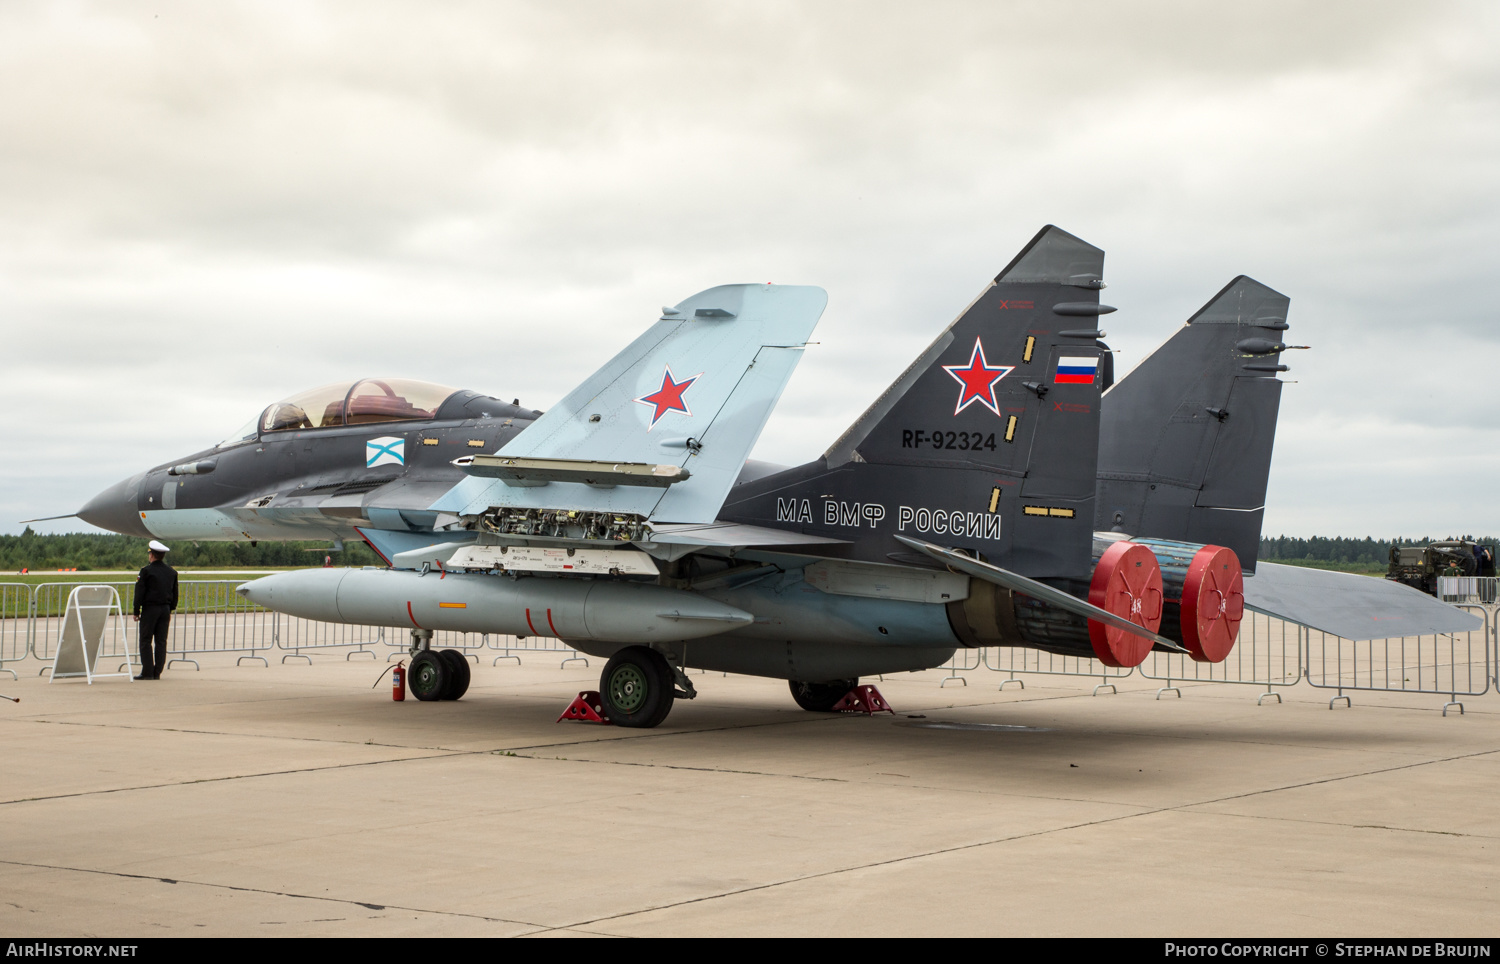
(85, 551)
(1341, 549)
(91, 550)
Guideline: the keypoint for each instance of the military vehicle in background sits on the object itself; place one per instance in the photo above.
(1420, 566)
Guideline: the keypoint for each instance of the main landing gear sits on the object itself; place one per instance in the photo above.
(821, 697)
(639, 685)
(435, 674)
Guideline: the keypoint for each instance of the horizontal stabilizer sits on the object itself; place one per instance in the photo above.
(1352, 606)
(693, 391)
(1036, 590)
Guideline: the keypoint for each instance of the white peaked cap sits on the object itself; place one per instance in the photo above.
(157, 547)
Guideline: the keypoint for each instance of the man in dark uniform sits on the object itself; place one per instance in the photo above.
(155, 598)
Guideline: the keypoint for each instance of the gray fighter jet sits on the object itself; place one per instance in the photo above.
(959, 510)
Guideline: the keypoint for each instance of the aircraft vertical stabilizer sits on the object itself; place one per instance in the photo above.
(1186, 437)
(662, 430)
(987, 442)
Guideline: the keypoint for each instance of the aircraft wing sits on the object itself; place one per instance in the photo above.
(693, 391)
(1352, 606)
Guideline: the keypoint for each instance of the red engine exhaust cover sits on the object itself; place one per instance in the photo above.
(1213, 603)
(1127, 582)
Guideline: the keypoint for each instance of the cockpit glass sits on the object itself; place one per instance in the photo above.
(365, 401)
(246, 433)
(319, 408)
(394, 399)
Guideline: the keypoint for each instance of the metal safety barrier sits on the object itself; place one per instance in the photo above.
(1267, 653)
(470, 644)
(1014, 659)
(1270, 653)
(1494, 618)
(514, 647)
(211, 618)
(960, 664)
(1443, 664)
(294, 634)
(1473, 590)
(15, 624)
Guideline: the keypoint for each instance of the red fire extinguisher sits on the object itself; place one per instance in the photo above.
(398, 683)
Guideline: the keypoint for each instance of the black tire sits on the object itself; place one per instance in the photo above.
(820, 697)
(458, 669)
(637, 687)
(429, 676)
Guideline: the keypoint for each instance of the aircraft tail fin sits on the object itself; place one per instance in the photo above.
(1186, 437)
(988, 441)
(684, 402)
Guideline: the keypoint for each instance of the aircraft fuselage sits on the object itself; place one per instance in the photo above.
(310, 483)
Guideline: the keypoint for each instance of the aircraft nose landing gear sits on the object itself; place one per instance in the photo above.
(436, 674)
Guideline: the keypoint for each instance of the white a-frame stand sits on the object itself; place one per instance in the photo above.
(86, 623)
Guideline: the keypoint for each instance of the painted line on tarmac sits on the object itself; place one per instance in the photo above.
(943, 851)
(437, 753)
(368, 905)
(233, 776)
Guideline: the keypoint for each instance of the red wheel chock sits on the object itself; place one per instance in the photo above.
(863, 699)
(587, 707)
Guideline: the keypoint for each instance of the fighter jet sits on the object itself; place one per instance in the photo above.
(959, 510)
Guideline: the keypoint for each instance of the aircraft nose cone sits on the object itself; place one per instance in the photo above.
(114, 509)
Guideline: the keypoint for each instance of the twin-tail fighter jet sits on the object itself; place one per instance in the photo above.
(994, 495)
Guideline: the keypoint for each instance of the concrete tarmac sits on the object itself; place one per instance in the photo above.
(296, 800)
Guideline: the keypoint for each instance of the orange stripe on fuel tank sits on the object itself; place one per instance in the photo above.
(443, 605)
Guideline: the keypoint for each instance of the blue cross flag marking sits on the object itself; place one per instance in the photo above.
(387, 450)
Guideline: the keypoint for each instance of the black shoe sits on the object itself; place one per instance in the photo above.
(144, 676)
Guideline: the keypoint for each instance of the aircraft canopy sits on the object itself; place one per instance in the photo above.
(362, 402)
(365, 401)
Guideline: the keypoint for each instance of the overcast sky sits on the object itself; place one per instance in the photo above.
(206, 207)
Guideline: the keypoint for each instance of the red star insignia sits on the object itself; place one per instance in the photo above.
(978, 379)
(668, 398)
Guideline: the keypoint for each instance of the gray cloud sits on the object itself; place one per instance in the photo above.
(206, 207)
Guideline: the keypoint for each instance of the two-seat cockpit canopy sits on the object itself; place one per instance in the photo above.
(363, 402)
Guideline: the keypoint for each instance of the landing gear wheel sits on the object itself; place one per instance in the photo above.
(429, 676)
(457, 665)
(820, 697)
(637, 687)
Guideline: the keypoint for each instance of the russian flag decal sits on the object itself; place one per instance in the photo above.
(1076, 371)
